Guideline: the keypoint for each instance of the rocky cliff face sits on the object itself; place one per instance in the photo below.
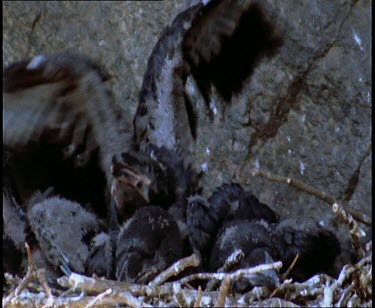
(305, 113)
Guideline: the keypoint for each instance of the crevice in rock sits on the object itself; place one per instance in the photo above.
(279, 114)
(36, 21)
(353, 181)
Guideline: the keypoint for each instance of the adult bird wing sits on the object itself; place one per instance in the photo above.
(62, 99)
(218, 44)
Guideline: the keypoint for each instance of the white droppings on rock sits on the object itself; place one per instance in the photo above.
(102, 43)
(204, 167)
(321, 223)
(302, 168)
(76, 280)
(257, 165)
(208, 152)
(358, 40)
(213, 107)
(206, 301)
(35, 62)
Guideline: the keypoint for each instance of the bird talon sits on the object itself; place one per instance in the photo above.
(69, 151)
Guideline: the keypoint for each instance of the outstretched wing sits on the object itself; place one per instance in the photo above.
(224, 44)
(219, 45)
(62, 100)
(161, 116)
(44, 98)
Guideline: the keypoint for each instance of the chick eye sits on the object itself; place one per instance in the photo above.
(139, 185)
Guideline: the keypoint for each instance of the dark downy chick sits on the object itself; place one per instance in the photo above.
(148, 243)
(153, 175)
(63, 230)
(257, 244)
(316, 246)
(229, 202)
(262, 242)
(101, 260)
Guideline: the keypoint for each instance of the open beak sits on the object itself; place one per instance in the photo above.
(126, 176)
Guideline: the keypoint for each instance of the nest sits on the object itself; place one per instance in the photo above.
(353, 287)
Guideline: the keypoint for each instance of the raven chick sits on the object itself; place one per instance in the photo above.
(102, 255)
(229, 202)
(147, 244)
(262, 242)
(257, 244)
(63, 230)
(316, 246)
(154, 175)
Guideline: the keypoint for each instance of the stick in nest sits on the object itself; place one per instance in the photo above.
(361, 217)
(355, 231)
(230, 262)
(285, 275)
(199, 298)
(175, 269)
(98, 298)
(344, 214)
(223, 292)
(234, 275)
(32, 274)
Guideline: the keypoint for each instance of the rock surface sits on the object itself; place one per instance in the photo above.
(305, 113)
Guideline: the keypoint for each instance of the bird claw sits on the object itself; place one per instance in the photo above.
(69, 151)
(81, 159)
(65, 269)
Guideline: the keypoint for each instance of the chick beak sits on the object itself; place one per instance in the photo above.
(124, 175)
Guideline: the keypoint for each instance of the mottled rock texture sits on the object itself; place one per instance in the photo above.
(305, 113)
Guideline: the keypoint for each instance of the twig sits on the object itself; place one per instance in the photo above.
(98, 298)
(355, 231)
(361, 217)
(285, 275)
(223, 292)
(179, 295)
(234, 275)
(355, 301)
(199, 298)
(41, 273)
(256, 293)
(275, 302)
(125, 297)
(92, 285)
(30, 276)
(175, 269)
(310, 288)
(345, 274)
(344, 296)
(345, 214)
(231, 261)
